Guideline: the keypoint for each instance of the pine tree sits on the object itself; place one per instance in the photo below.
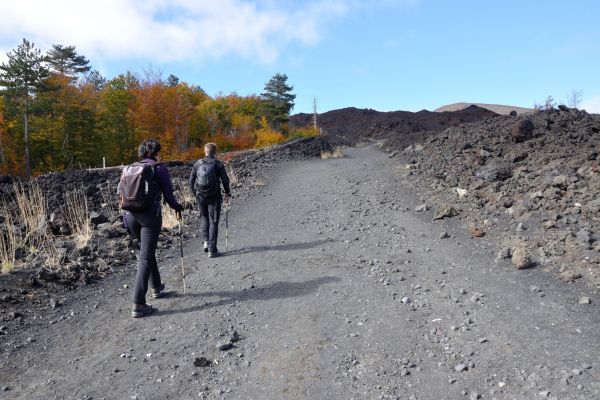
(65, 61)
(23, 77)
(278, 101)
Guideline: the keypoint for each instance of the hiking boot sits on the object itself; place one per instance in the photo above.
(139, 310)
(206, 247)
(159, 291)
(213, 254)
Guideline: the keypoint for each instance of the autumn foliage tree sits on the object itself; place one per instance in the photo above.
(56, 113)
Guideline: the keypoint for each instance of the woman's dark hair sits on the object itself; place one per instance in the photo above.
(148, 148)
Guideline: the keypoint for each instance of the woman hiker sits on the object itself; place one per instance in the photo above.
(144, 222)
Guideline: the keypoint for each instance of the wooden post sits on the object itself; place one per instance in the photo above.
(315, 113)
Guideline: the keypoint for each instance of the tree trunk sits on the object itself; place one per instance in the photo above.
(26, 140)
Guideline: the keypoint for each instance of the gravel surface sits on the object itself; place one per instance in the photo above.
(333, 286)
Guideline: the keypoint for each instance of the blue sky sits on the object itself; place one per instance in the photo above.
(380, 54)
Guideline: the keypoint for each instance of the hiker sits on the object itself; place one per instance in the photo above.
(205, 182)
(145, 221)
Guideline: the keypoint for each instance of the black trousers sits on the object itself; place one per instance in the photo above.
(145, 226)
(210, 212)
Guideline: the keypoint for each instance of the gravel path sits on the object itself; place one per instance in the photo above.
(332, 288)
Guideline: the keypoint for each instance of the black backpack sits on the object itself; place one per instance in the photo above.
(207, 181)
(138, 186)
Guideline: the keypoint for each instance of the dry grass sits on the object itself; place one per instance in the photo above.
(108, 192)
(55, 258)
(336, 153)
(77, 215)
(182, 192)
(169, 218)
(32, 212)
(9, 241)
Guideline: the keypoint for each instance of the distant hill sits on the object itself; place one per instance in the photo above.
(497, 108)
(351, 125)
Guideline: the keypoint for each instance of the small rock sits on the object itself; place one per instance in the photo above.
(474, 396)
(405, 300)
(422, 208)
(549, 224)
(584, 300)
(502, 255)
(482, 340)
(446, 212)
(476, 231)
(15, 314)
(54, 303)
(235, 337)
(520, 258)
(460, 368)
(444, 235)
(569, 276)
(544, 393)
(461, 192)
(501, 384)
(534, 289)
(202, 362)
(584, 236)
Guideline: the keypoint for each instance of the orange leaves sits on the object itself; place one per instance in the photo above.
(80, 123)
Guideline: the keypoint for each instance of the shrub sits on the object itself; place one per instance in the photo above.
(303, 133)
(336, 153)
(266, 137)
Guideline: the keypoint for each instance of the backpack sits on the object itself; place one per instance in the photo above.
(138, 187)
(207, 182)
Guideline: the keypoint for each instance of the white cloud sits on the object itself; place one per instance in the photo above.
(169, 30)
(591, 105)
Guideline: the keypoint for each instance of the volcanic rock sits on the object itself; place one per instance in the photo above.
(523, 130)
(520, 258)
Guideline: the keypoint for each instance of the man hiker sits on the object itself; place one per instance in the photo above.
(208, 174)
(141, 188)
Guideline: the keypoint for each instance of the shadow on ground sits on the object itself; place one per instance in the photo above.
(276, 290)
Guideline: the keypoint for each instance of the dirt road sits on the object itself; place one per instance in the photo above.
(337, 289)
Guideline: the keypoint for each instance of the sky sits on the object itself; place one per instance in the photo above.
(381, 54)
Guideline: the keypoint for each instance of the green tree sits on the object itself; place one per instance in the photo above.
(172, 80)
(23, 77)
(95, 79)
(278, 101)
(115, 114)
(65, 61)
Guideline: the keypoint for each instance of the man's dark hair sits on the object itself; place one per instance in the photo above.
(148, 148)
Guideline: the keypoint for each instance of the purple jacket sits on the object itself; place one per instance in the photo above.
(164, 180)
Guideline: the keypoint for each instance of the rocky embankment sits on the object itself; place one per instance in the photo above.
(530, 183)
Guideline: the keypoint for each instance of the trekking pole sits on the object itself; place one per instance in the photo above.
(226, 224)
(181, 254)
